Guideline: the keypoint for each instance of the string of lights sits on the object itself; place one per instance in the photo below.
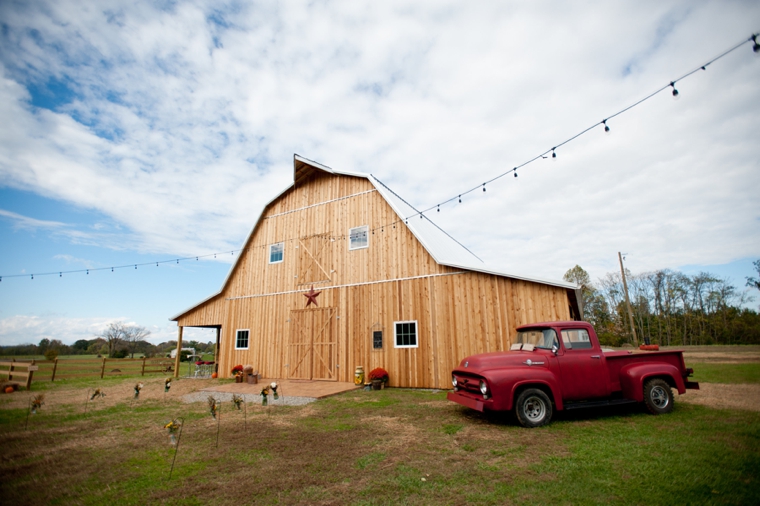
(551, 152)
(126, 266)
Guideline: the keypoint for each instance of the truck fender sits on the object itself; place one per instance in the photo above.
(544, 381)
(632, 378)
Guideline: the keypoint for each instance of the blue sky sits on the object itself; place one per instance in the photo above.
(141, 132)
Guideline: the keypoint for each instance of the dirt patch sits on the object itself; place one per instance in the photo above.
(723, 396)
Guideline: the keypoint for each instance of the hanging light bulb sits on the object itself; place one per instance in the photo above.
(484, 187)
(32, 276)
(420, 215)
(606, 128)
(135, 266)
(554, 155)
(60, 274)
(111, 269)
(515, 172)
(88, 271)
(156, 264)
(675, 91)
(755, 45)
(460, 199)
(439, 208)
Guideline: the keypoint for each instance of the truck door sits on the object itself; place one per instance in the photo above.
(583, 367)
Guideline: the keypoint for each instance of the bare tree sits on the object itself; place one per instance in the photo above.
(134, 334)
(113, 335)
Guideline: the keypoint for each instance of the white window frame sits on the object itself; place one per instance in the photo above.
(272, 246)
(416, 335)
(248, 341)
(351, 231)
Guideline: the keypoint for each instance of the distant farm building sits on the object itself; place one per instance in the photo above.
(387, 293)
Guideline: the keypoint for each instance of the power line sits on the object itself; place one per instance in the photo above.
(553, 151)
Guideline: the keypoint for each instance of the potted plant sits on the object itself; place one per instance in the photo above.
(237, 372)
(379, 378)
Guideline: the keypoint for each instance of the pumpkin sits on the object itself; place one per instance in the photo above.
(214, 375)
(8, 390)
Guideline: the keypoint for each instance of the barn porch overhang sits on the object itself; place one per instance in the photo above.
(180, 330)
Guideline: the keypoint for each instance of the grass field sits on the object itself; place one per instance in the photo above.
(394, 446)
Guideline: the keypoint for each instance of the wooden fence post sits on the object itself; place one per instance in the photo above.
(29, 376)
(10, 371)
(103, 368)
(142, 373)
(55, 367)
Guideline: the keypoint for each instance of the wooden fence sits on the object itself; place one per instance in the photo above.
(51, 370)
(17, 370)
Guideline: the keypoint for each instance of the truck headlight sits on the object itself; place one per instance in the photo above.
(483, 388)
(454, 381)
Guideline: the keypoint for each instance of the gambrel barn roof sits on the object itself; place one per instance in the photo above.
(443, 248)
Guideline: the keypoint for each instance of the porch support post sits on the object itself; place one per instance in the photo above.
(216, 350)
(179, 351)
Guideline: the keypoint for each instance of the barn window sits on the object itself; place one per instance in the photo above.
(358, 237)
(377, 340)
(241, 340)
(405, 334)
(276, 252)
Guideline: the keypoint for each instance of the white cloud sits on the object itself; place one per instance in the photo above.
(25, 222)
(185, 120)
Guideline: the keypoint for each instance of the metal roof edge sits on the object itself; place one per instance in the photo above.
(497, 272)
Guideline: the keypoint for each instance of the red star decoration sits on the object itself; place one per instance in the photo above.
(311, 295)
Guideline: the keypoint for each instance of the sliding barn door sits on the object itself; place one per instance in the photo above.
(313, 347)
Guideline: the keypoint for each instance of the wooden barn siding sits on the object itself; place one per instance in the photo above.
(457, 315)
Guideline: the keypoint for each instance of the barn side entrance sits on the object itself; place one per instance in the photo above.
(313, 345)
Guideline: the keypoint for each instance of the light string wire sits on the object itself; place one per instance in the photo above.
(671, 84)
(458, 196)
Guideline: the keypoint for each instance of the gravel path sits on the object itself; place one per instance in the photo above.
(224, 396)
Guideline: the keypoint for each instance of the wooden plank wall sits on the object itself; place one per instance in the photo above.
(457, 315)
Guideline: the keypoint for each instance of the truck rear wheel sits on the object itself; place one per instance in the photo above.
(658, 396)
(533, 408)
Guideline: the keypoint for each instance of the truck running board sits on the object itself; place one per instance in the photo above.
(596, 404)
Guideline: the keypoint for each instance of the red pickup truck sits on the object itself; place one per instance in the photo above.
(560, 365)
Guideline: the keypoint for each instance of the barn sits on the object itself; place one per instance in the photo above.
(338, 271)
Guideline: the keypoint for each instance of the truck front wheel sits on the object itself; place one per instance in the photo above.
(658, 396)
(533, 408)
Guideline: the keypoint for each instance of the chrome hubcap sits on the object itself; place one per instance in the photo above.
(659, 397)
(534, 409)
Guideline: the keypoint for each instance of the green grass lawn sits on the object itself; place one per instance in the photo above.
(394, 446)
(726, 373)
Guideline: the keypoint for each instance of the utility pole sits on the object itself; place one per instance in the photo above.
(628, 301)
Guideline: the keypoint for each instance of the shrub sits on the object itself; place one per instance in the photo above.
(120, 354)
(51, 354)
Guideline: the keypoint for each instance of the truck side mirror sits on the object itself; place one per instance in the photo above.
(555, 349)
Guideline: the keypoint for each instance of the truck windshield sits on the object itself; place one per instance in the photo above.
(540, 338)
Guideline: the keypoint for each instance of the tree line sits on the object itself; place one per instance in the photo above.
(669, 308)
(116, 341)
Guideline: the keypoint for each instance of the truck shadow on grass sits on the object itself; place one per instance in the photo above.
(575, 415)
